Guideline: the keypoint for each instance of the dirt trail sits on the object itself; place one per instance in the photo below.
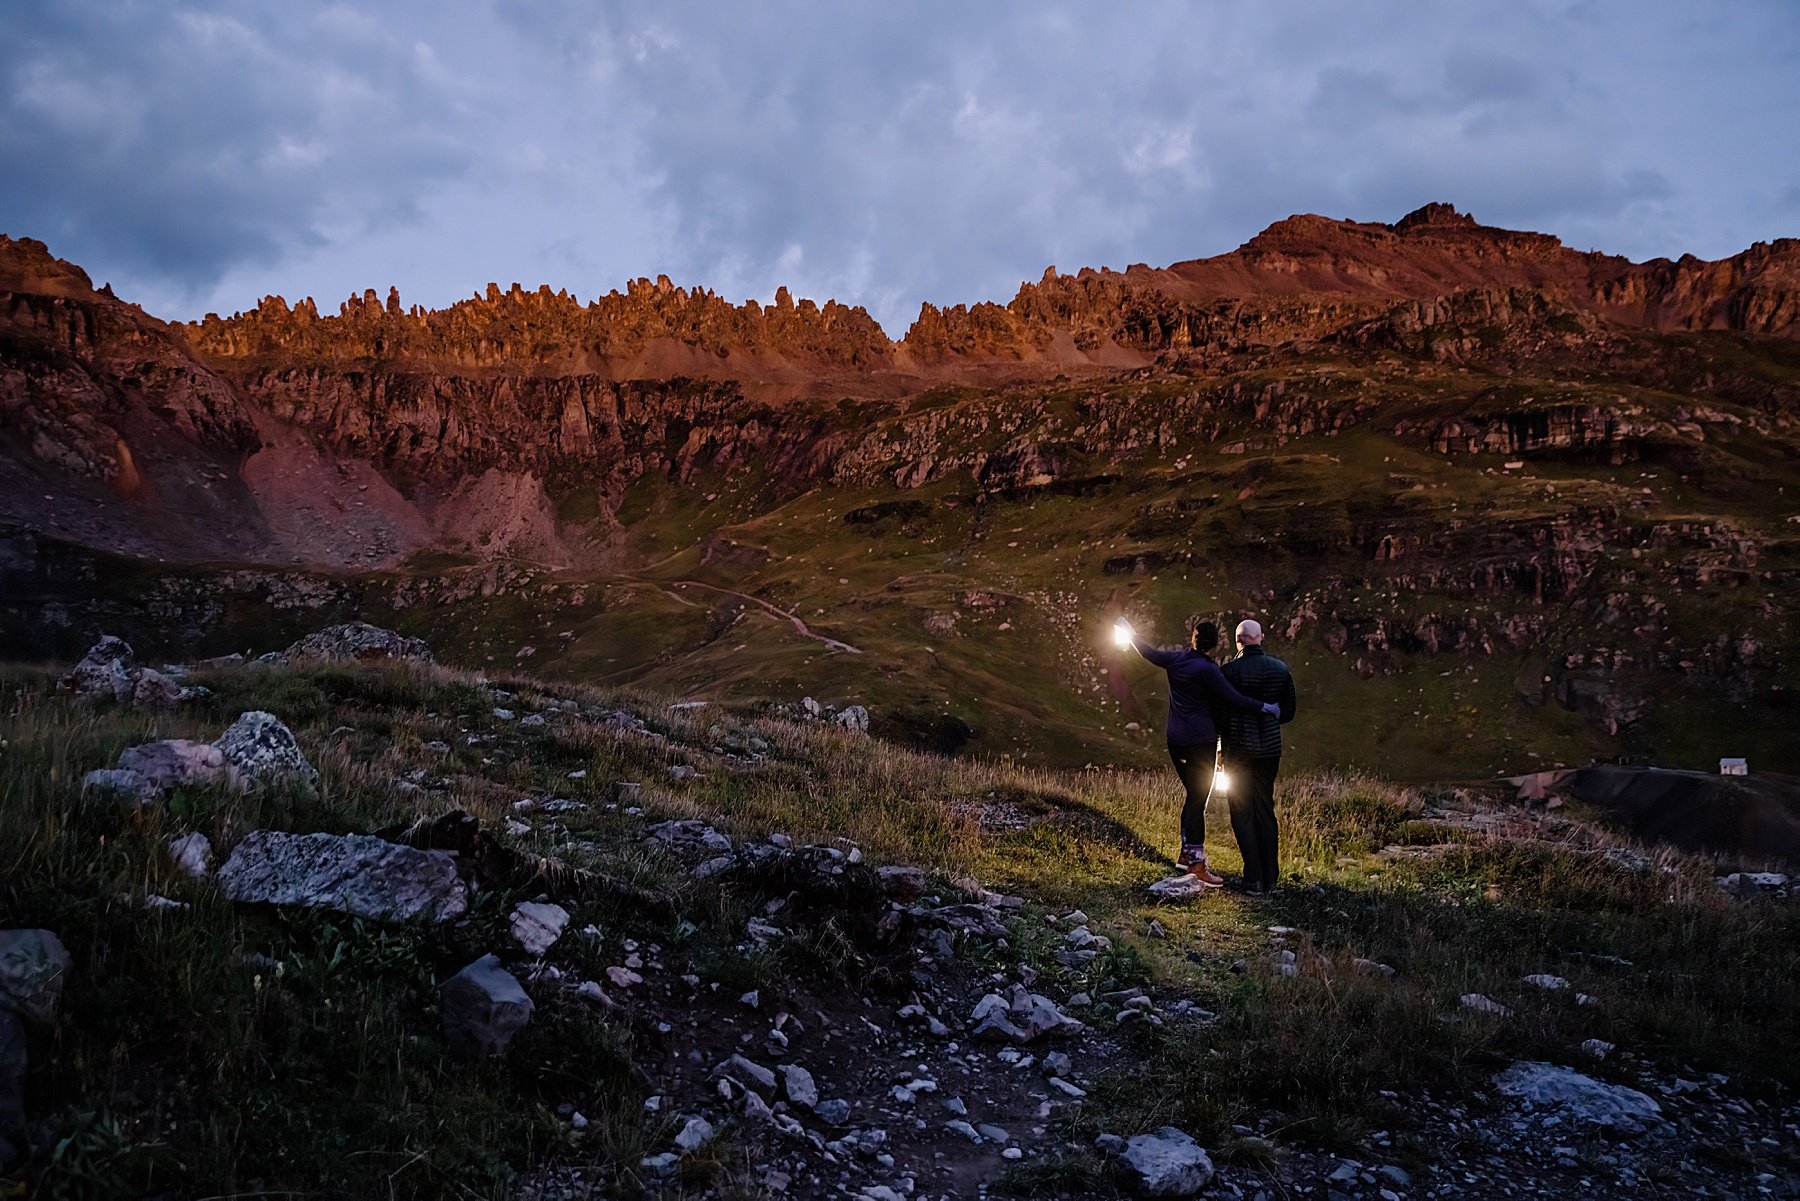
(799, 625)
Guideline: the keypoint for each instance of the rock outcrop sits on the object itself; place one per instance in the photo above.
(351, 873)
(357, 640)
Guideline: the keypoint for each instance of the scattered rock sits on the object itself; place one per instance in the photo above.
(484, 1006)
(1546, 982)
(982, 921)
(961, 1126)
(1578, 1098)
(357, 640)
(537, 925)
(1019, 1017)
(694, 1134)
(1185, 887)
(902, 883)
(1597, 1047)
(834, 1111)
(109, 671)
(1167, 1163)
(748, 1073)
(262, 751)
(148, 772)
(802, 1090)
(854, 717)
(33, 964)
(1753, 884)
(192, 854)
(152, 687)
(105, 671)
(352, 873)
(1483, 1004)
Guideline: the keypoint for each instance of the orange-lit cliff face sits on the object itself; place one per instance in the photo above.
(1302, 277)
(357, 438)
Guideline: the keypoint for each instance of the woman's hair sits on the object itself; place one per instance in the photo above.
(1205, 633)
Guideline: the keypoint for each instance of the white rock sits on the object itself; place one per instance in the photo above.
(590, 990)
(1597, 1047)
(962, 1127)
(1167, 1163)
(1549, 983)
(694, 1134)
(537, 925)
(1575, 1097)
(802, 1090)
(1019, 1017)
(1484, 1004)
(623, 977)
(193, 855)
(748, 1073)
(1184, 887)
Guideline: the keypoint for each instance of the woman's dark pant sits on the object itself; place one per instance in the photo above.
(1194, 764)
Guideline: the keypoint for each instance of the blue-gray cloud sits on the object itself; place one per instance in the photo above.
(881, 154)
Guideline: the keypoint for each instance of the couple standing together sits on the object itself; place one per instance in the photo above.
(1241, 706)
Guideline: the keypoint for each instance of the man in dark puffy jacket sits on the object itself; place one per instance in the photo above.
(1252, 753)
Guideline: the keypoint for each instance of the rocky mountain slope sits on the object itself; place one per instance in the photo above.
(1502, 497)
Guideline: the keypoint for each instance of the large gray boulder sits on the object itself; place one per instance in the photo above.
(484, 1006)
(357, 640)
(1578, 1098)
(351, 873)
(262, 751)
(1167, 1163)
(33, 964)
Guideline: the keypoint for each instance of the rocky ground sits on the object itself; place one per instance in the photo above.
(634, 928)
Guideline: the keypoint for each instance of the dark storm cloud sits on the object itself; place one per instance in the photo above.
(175, 141)
(881, 154)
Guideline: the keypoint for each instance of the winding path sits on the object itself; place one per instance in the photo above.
(799, 625)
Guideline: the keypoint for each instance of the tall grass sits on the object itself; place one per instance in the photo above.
(183, 1061)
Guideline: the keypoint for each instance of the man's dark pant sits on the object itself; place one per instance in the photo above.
(1252, 795)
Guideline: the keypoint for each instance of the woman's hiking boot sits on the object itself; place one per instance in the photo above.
(1193, 858)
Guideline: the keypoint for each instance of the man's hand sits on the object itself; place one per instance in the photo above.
(1272, 709)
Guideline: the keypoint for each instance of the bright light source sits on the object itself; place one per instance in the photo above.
(1122, 634)
(1221, 781)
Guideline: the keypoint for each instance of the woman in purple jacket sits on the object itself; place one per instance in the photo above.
(1199, 694)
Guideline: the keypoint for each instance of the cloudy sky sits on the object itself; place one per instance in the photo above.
(201, 155)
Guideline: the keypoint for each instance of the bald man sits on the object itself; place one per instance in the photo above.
(1252, 753)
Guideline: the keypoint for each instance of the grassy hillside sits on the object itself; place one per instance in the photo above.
(212, 1049)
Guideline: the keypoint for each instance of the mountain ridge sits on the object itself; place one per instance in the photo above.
(1559, 478)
